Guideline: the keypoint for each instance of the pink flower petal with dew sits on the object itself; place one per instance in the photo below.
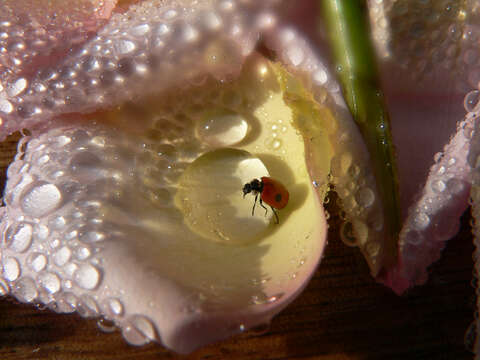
(35, 35)
(425, 93)
(90, 223)
(138, 52)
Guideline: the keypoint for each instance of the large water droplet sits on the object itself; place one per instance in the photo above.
(11, 269)
(25, 290)
(139, 331)
(41, 200)
(19, 237)
(49, 281)
(471, 101)
(210, 195)
(87, 276)
(222, 129)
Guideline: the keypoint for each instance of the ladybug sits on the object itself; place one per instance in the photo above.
(271, 192)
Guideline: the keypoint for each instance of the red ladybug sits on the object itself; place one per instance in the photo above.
(271, 191)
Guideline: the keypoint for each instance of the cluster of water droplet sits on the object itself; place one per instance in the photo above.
(147, 49)
(54, 226)
(426, 228)
(429, 36)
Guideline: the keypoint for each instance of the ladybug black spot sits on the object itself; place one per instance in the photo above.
(278, 197)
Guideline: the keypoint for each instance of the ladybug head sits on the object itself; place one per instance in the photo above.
(255, 185)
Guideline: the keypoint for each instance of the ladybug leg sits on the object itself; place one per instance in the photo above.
(276, 216)
(263, 206)
(255, 203)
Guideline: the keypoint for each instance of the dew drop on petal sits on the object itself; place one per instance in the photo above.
(472, 101)
(438, 186)
(49, 281)
(25, 289)
(105, 325)
(19, 237)
(11, 269)
(41, 200)
(222, 129)
(87, 276)
(421, 221)
(114, 307)
(124, 46)
(139, 330)
(37, 262)
(62, 256)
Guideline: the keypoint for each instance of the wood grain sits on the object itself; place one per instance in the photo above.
(343, 314)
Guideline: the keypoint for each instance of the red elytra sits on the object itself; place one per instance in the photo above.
(271, 191)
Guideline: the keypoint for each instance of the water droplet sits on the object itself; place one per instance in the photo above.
(421, 221)
(140, 30)
(87, 307)
(295, 54)
(414, 238)
(62, 256)
(87, 276)
(365, 197)
(139, 331)
(347, 235)
(438, 186)
(225, 129)
(471, 101)
(124, 46)
(114, 307)
(49, 281)
(17, 87)
(92, 236)
(320, 77)
(82, 253)
(41, 200)
(455, 186)
(6, 106)
(11, 269)
(105, 325)
(441, 170)
(37, 262)
(19, 237)
(25, 290)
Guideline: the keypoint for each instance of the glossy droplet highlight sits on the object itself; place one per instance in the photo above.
(41, 200)
(19, 237)
(87, 276)
(114, 307)
(222, 129)
(139, 331)
(11, 269)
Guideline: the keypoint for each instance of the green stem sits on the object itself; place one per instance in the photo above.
(350, 38)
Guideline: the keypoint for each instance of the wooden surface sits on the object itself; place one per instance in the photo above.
(343, 314)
